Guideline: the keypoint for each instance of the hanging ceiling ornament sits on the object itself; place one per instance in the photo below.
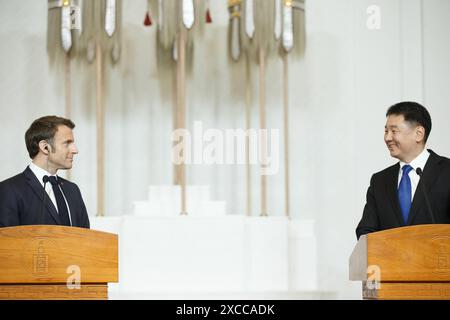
(264, 16)
(234, 8)
(188, 13)
(293, 36)
(208, 13)
(101, 26)
(171, 16)
(64, 25)
(148, 20)
(249, 19)
(66, 35)
(110, 17)
(278, 19)
(288, 37)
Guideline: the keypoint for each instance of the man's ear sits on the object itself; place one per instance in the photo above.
(44, 147)
(420, 134)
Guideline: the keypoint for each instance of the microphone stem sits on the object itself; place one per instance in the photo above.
(425, 195)
(42, 204)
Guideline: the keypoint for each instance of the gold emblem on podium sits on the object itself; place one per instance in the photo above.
(442, 258)
(37, 257)
(40, 260)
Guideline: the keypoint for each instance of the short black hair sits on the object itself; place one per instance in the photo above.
(44, 129)
(414, 113)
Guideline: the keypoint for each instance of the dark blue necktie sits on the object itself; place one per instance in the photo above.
(404, 192)
(62, 207)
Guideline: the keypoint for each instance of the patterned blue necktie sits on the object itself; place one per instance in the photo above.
(404, 192)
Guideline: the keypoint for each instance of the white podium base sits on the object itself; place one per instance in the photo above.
(212, 256)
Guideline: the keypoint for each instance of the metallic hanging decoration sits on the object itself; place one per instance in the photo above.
(293, 37)
(175, 41)
(110, 17)
(241, 52)
(66, 35)
(208, 17)
(293, 42)
(278, 19)
(101, 37)
(288, 27)
(63, 30)
(102, 21)
(188, 13)
(234, 29)
(264, 16)
(249, 19)
(264, 44)
(147, 20)
(170, 16)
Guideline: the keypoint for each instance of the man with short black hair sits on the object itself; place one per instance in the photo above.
(23, 200)
(395, 197)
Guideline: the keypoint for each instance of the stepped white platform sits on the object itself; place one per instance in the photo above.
(165, 200)
(223, 257)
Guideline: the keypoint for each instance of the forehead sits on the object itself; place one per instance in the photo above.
(395, 120)
(64, 132)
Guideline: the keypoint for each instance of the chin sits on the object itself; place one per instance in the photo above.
(394, 154)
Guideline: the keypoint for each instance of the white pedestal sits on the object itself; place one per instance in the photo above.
(193, 256)
(165, 201)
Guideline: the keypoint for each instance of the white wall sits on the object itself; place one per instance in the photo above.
(339, 94)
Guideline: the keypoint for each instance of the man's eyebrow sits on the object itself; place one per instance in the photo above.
(391, 126)
(68, 141)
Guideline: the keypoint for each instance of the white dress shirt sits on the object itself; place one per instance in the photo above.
(418, 162)
(40, 173)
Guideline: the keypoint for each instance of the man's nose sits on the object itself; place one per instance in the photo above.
(74, 149)
(387, 136)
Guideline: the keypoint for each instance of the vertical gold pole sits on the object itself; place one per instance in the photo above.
(248, 124)
(100, 133)
(68, 96)
(181, 108)
(286, 131)
(262, 121)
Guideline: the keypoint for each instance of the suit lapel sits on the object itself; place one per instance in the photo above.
(36, 186)
(430, 173)
(391, 190)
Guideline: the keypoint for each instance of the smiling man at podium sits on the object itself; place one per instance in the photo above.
(416, 190)
(38, 195)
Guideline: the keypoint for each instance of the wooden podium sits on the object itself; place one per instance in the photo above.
(404, 263)
(56, 262)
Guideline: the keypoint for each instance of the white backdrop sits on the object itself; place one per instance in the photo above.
(339, 94)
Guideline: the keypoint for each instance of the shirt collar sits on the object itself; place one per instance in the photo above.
(39, 172)
(419, 161)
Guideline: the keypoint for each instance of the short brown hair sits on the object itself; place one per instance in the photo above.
(44, 128)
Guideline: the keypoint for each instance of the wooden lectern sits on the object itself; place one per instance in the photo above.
(56, 262)
(404, 263)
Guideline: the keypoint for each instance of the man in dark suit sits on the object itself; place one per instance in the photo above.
(23, 199)
(395, 197)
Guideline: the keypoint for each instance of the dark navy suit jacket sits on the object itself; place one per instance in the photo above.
(382, 209)
(21, 202)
